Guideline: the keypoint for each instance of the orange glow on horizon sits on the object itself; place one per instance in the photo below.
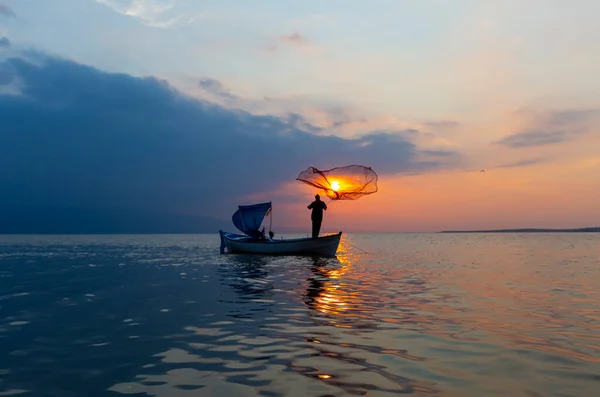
(560, 195)
(549, 192)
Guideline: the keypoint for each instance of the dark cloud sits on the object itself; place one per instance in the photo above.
(215, 87)
(534, 138)
(439, 153)
(4, 43)
(551, 128)
(567, 118)
(6, 10)
(523, 163)
(77, 136)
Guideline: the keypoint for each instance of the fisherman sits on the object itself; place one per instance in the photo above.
(316, 215)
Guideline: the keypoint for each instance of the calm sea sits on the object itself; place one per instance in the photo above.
(424, 314)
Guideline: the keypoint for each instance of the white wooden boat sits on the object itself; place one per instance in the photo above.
(320, 246)
(248, 219)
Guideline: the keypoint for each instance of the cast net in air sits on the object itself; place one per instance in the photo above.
(350, 182)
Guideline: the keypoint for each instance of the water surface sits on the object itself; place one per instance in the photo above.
(422, 314)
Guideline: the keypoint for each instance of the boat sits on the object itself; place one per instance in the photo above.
(249, 218)
(320, 246)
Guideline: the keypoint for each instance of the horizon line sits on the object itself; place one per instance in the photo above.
(587, 229)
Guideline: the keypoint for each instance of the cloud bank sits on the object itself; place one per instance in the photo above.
(77, 136)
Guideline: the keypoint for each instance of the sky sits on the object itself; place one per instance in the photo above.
(195, 107)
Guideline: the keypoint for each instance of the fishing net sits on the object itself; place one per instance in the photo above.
(342, 183)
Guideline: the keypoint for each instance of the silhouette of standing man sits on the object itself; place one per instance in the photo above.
(316, 216)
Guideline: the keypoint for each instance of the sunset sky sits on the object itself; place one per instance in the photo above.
(194, 107)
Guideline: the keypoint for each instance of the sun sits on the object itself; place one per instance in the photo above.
(335, 185)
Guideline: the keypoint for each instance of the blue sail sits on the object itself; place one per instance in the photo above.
(248, 218)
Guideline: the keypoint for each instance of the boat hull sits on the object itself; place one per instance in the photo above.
(320, 246)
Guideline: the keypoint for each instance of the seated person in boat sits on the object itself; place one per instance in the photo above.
(262, 234)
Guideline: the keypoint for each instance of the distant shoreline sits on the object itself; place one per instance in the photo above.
(529, 230)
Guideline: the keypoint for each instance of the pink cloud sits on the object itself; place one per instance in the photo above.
(290, 40)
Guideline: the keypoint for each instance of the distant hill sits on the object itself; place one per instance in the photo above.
(54, 220)
(580, 230)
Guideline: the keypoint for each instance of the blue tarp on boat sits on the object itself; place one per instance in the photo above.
(248, 218)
